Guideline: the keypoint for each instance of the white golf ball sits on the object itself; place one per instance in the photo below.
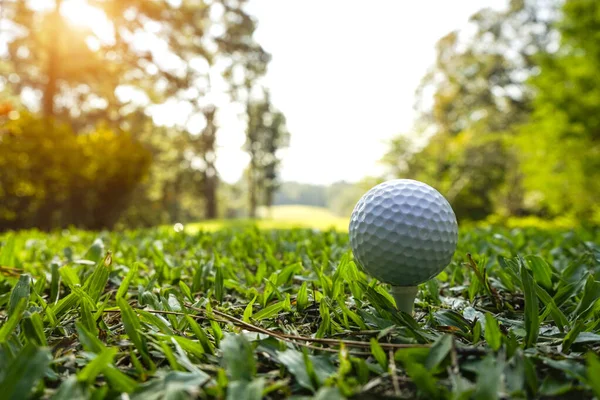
(403, 232)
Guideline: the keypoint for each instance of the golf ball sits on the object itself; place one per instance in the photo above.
(403, 232)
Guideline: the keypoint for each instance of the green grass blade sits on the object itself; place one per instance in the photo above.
(11, 324)
(21, 291)
(493, 336)
(302, 297)
(379, 354)
(532, 318)
(239, 357)
(95, 367)
(24, 371)
(124, 287)
(133, 328)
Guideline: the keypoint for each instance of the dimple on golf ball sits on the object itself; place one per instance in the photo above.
(403, 232)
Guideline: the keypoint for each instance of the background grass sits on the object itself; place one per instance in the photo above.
(280, 217)
(245, 313)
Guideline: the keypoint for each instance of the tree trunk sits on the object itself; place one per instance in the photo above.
(53, 60)
(210, 196)
(211, 179)
(252, 198)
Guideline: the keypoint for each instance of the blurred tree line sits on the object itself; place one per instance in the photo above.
(339, 197)
(509, 116)
(82, 147)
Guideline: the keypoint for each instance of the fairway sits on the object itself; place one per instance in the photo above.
(246, 314)
(280, 217)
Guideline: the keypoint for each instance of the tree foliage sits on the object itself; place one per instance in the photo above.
(266, 134)
(561, 144)
(508, 116)
(196, 56)
(53, 178)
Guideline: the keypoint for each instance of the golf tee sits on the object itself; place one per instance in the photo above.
(405, 297)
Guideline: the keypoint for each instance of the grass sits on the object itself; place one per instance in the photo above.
(280, 217)
(245, 313)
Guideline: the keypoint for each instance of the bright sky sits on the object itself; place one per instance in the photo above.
(344, 73)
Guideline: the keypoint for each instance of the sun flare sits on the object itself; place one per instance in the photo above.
(81, 14)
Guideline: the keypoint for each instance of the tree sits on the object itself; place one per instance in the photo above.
(560, 146)
(156, 52)
(52, 178)
(480, 95)
(266, 133)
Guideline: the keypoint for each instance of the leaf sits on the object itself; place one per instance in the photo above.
(492, 334)
(570, 367)
(11, 324)
(248, 310)
(245, 390)
(532, 319)
(216, 328)
(284, 276)
(200, 335)
(352, 315)
(190, 346)
(328, 393)
(24, 371)
(530, 375)
(69, 277)
(97, 365)
(420, 375)
(124, 287)
(33, 326)
(325, 326)
(155, 322)
(293, 360)
(186, 290)
(65, 304)
(593, 372)
(132, 326)
(95, 251)
(8, 253)
(117, 379)
(557, 315)
(379, 354)
(87, 318)
(269, 311)
(489, 378)
(302, 297)
(587, 337)
(476, 332)
(90, 342)
(175, 385)
(462, 388)
(19, 292)
(72, 389)
(95, 283)
(572, 335)
(591, 293)
(239, 357)
(542, 273)
(439, 351)
(54, 281)
(219, 284)
(168, 353)
(514, 374)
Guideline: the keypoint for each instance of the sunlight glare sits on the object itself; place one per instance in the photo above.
(80, 14)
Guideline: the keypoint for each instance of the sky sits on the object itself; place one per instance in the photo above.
(344, 73)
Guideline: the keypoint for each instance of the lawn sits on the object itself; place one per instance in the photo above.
(240, 312)
(280, 217)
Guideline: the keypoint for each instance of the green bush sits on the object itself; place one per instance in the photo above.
(52, 177)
